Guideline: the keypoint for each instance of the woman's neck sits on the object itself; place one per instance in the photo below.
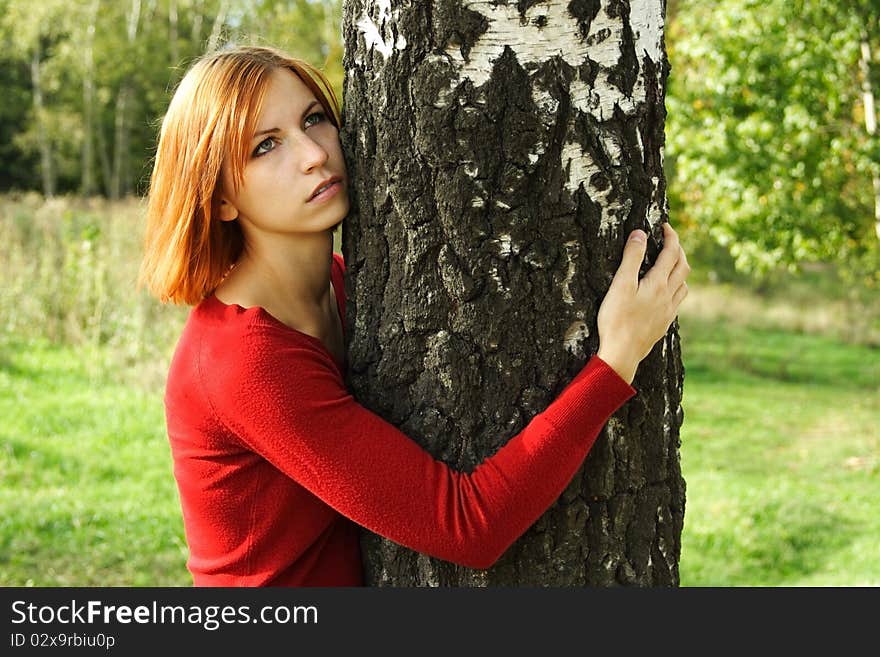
(287, 275)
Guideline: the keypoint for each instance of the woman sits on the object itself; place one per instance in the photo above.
(276, 464)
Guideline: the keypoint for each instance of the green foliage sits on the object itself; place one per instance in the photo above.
(136, 65)
(767, 150)
(15, 82)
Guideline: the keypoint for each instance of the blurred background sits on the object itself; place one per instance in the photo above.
(773, 171)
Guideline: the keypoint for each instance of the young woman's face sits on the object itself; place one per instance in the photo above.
(294, 150)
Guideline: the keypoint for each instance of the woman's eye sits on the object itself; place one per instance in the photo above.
(264, 146)
(318, 114)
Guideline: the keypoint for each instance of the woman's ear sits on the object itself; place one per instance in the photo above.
(228, 212)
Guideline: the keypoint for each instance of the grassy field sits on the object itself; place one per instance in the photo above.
(780, 447)
(780, 453)
(87, 494)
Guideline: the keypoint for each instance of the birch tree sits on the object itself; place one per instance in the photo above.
(865, 65)
(88, 185)
(499, 154)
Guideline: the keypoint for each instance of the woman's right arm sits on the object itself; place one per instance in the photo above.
(286, 401)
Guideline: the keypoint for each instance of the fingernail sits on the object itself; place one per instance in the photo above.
(637, 236)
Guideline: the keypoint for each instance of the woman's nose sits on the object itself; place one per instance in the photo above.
(313, 153)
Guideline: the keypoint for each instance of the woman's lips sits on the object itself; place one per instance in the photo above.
(329, 191)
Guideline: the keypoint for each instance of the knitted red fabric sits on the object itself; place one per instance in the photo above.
(277, 464)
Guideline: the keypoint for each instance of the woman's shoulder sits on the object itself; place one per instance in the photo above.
(238, 326)
(228, 343)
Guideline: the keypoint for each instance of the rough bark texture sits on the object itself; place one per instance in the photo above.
(499, 154)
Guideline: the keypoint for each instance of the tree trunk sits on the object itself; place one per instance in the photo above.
(173, 35)
(120, 182)
(500, 153)
(88, 151)
(120, 145)
(217, 30)
(870, 117)
(104, 157)
(45, 145)
(196, 33)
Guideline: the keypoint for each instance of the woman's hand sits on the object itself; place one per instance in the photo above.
(635, 314)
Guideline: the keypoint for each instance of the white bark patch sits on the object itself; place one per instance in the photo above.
(613, 148)
(646, 22)
(499, 284)
(547, 105)
(504, 245)
(581, 168)
(570, 248)
(605, 37)
(532, 44)
(655, 215)
(378, 35)
(600, 100)
(574, 338)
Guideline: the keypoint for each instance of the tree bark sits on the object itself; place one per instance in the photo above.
(173, 35)
(120, 143)
(870, 117)
(217, 29)
(104, 157)
(500, 153)
(47, 168)
(119, 185)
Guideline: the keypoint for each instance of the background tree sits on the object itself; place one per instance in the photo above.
(769, 155)
(86, 81)
(500, 153)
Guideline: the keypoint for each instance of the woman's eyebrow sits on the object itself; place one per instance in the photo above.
(271, 130)
(308, 107)
(265, 132)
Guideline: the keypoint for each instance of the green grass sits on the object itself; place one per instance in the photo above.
(781, 454)
(87, 495)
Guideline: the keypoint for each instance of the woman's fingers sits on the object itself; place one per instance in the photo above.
(666, 261)
(633, 255)
(670, 253)
(679, 295)
(680, 272)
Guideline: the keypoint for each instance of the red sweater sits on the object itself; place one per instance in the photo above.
(277, 464)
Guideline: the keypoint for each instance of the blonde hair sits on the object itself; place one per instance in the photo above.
(187, 249)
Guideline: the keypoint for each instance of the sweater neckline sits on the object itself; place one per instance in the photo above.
(267, 316)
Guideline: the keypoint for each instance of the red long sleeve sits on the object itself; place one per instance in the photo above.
(270, 448)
